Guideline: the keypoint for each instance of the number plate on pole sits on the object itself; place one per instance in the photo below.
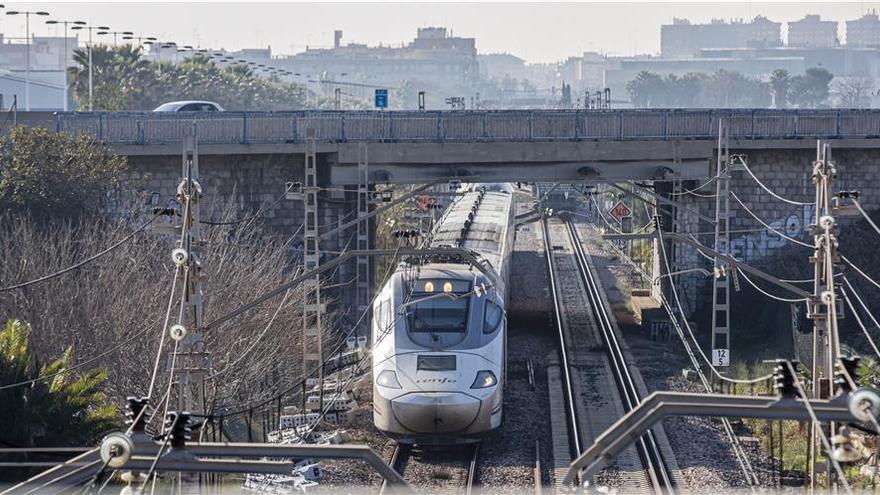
(720, 357)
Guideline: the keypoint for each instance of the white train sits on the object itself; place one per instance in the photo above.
(439, 329)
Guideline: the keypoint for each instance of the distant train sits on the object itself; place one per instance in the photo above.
(440, 329)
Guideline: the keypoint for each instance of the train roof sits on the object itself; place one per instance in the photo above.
(478, 221)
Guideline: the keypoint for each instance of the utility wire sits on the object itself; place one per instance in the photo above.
(766, 225)
(692, 191)
(301, 379)
(691, 333)
(164, 332)
(865, 214)
(259, 212)
(801, 243)
(859, 321)
(742, 459)
(256, 340)
(79, 365)
(83, 262)
(825, 442)
(769, 191)
(762, 291)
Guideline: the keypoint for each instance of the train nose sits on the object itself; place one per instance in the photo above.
(436, 412)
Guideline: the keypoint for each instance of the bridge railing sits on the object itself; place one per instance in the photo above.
(468, 126)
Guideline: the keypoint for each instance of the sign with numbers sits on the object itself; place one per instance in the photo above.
(619, 211)
(720, 357)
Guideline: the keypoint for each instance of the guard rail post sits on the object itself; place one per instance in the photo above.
(440, 126)
(754, 113)
(576, 120)
(342, 127)
(293, 132)
(531, 125)
(837, 123)
(244, 128)
(390, 127)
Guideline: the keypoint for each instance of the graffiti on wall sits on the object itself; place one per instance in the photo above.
(756, 245)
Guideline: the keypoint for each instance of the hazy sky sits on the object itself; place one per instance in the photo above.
(538, 32)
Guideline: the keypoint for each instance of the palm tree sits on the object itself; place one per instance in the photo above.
(58, 408)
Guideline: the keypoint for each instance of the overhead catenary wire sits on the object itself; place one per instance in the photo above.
(256, 215)
(769, 191)
(859, 321)
(694, 190)
(238, 410)
(83, 262)
(865, 214)
(164, 332)
(691, 333)
(762, 291)
(80, 364)
(766, 225)
(801, 243)
(822, 436)
(742, 459)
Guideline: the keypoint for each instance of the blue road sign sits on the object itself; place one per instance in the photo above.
(381, 98)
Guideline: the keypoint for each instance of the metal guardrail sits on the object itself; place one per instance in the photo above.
(470, 126)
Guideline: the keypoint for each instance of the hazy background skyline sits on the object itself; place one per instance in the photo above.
(537, 32)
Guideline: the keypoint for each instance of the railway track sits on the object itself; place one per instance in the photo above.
(599, 385)
(437, 469)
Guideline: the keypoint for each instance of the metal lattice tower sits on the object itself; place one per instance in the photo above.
(826, 344)
(192, 363)
(721, 280)
(312, 310)
(822, 306)
(362, 296)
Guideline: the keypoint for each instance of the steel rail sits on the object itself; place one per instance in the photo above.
(399, 458)
(647, 445)
(563, 346)
(472, 469)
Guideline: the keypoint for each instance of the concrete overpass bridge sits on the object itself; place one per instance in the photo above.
(538, 145)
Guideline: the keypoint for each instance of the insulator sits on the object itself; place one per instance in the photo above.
(177, 332)
(169, 212)
(177, 426)
(842, 448)
(135, 413)
(116, 449)
(784, 379)
(846, 366)
(179, 256)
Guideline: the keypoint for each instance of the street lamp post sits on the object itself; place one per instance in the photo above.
(64, 57)
(101, 30)
(115, 33)
(27, 55)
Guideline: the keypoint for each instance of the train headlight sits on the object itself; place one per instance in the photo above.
(485, 379)
(388, 379)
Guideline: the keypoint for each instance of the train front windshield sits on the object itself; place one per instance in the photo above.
(439, 306)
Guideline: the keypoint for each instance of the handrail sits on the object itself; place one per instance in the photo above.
(471, 125)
